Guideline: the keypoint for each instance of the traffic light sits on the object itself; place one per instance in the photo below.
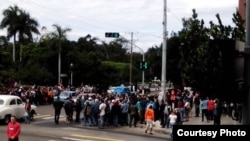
(143, 65)
(112, 34)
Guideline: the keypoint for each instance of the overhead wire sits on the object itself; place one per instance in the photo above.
(90, 24)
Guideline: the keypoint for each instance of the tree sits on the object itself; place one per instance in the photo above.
(220, 31)
(18, 22)
(26, 27)
(9, 21)
(59, 36)
(239, 32)
(193, 51)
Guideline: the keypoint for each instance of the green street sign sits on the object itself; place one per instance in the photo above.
(112, 35)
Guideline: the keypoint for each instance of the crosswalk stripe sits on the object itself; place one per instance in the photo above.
(75, 139)
(41, 116)
(94, 138)
(51, 117)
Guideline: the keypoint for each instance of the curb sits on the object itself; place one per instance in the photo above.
(161, 131)
(120, 131)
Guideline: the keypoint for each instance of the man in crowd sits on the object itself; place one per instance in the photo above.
(13, 129)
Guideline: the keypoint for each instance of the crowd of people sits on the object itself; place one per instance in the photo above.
(102, 110)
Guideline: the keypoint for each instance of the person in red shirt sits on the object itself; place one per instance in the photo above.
(13, 129)
(210, 109)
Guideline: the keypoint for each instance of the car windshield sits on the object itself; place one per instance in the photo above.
(64, 94)
(1, 102)
(67, 94)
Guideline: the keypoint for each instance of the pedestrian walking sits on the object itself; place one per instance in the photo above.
(68, 107)
(13, 129)
(149, 117)
(27, 113)
(102, 113)
(78, 109)
(204, 104)
(217, 112)
(57, 106)
(172, 120)
(134, 115)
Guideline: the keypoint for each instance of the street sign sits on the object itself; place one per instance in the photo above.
(112, 35)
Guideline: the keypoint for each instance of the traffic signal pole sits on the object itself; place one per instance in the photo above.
(143, 73)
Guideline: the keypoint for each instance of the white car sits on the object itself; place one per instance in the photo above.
(11, 105)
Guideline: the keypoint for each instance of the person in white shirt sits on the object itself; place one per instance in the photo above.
(102, 108)
(172, 121)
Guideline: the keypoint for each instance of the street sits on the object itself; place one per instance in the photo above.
(43, 128)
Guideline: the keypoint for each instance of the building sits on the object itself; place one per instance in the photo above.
(242, 9)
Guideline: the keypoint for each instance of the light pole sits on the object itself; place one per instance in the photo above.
(164, 53)
(143, 74)
(71, 73)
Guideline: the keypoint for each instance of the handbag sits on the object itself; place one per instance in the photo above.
(153, 124)
(26, 114)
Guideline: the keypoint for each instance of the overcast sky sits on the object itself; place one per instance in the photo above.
(143, 18)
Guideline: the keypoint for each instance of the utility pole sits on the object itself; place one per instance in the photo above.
(131, 60)
(164, 53)
(246, 103)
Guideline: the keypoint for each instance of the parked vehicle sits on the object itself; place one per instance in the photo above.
(11, 105)
(66, 94)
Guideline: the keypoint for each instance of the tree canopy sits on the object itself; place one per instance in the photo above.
(191, 59)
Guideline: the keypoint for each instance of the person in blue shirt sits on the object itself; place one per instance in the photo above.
(124, 110)
(204, 104)
(150, 102)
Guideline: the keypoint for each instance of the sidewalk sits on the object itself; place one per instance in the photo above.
(159, 132)
(225, 120)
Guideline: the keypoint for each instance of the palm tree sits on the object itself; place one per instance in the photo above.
(18, 22)
(59, 36)
(4, 44)
(9, 22)
(26, 27)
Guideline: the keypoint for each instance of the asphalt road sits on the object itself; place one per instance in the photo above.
(43, 128)
(34, 133)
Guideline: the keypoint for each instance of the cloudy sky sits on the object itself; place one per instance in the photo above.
(143, 18)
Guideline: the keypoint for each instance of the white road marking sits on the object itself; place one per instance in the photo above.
(41, 116)
(95, 138)
(75, 139)
(51, 117)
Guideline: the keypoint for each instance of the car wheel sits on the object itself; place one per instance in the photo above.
(7, 119)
